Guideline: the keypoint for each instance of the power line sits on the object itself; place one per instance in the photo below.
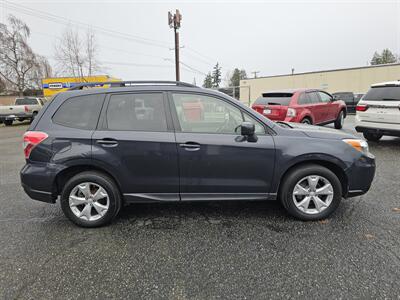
(64, 21)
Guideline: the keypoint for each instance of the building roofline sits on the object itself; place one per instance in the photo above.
(325, 71)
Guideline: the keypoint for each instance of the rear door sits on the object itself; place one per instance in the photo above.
(383, 105)
(135, 139)
(214, 162)
(316, 107)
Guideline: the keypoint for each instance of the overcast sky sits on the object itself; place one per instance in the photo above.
(267, 36)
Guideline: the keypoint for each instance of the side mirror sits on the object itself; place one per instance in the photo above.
(247, 131)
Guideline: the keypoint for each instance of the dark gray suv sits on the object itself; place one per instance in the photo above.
(98, 149)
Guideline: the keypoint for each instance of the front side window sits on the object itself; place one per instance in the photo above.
(136, 112)
(80, 112)
(325, 97)
(205, 114)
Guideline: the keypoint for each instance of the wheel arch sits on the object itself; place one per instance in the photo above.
(330, 165)
(67, 173)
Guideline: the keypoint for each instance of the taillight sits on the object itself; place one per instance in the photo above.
(31, 140)
(361, 107)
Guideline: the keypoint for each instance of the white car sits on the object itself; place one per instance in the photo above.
(378, 112)
(24, 109)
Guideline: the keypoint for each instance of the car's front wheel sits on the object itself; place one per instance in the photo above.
(340, 120)
(90, 199)
(8, 122)
(311, 192)
(372, 136)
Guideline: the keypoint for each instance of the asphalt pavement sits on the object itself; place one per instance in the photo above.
(226, 250)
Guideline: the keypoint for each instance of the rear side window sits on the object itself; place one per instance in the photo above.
(274, 99)
(26, 101)
(136, 112)
(314, 98)
(384, 93)
(304, 99)
(80, 112)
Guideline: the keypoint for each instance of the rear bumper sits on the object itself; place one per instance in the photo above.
(37, 181)
(383, 128)
(360, 176)
(14, 117)
(383, 131)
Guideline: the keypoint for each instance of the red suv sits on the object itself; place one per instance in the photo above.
(302, 106)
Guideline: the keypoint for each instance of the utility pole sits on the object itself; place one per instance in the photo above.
(255, 73)
(174, 21)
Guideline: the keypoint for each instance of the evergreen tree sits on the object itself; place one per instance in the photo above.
(216, 76)
(208, 81)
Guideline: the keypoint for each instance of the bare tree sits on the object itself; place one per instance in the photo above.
(18, 62)
(43, 70)
(77, 56)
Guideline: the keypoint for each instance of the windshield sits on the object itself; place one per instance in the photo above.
(383, 93)
(25, 101)
(274, 99)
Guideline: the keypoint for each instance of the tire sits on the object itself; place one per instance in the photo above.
(8, 122)
(34, 114)
(340, 120)
(314, 210)
(372, 136)
(306, 121)
(88, 207)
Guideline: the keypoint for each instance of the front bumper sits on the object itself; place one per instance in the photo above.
(360, 176)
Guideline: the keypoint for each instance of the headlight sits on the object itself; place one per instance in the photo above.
(359, 145)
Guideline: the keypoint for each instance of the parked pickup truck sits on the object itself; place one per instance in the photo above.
(24, 109)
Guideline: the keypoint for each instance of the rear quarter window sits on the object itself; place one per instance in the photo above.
(383, 93)
(81, 112)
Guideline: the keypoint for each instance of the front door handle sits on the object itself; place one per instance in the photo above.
(190, 146)
(107, 142)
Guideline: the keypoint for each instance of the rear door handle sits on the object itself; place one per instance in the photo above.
(190, 146)
(107, 142)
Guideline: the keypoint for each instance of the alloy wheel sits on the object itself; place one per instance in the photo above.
(89, 201)
(312, 194)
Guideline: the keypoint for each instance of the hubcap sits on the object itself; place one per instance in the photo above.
(312, 194)
(89, 201)
(341, 118)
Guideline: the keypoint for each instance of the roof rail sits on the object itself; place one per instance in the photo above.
(130, 83)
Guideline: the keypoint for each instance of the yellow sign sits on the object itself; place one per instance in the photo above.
(52, 86)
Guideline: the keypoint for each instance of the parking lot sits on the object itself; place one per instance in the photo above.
(201, 250)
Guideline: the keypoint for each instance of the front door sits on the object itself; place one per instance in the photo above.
(214, 162)
(136, 141)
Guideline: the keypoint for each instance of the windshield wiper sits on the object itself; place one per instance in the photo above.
(285, 124)
(390, 99)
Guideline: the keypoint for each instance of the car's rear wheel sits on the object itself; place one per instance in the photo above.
(306, 121)
(340, 120)
(90, 199)
(311, 192)
(8, 122)
(372, 136)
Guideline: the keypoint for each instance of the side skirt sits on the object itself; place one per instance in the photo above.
(174, 197)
